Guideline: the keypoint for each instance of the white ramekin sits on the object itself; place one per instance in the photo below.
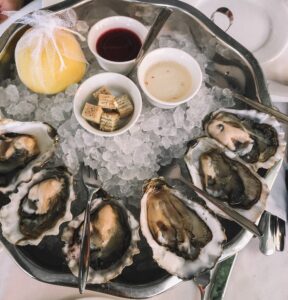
(175, 55)
(110, 23)
(118, 84)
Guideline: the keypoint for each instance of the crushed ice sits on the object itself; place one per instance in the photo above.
(123, 162)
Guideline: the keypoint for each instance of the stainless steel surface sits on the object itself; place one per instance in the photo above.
(280, 234)
(274, 231)
(92, 184)
(267, 242)
(152, 34)
(173, 171)
(220, 49)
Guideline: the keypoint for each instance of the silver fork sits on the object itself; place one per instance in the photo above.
(92, 184)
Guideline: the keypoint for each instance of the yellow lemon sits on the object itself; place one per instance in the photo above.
(49, 63)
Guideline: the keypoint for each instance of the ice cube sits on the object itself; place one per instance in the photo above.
(12, 93)
(82, 26)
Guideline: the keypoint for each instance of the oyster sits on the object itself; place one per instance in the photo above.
(223, 175)
(113, 241)
(256, 137)
(185, 237)
(39, 207)
(23, 145)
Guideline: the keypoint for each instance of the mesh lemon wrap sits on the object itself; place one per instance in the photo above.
(48, 57)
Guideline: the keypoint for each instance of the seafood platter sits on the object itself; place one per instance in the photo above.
(67, 98)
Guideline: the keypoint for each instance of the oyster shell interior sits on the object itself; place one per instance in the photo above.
(113, 240)
(175, 226)
(110, 236)
(229, 180)
(252, 141)
(225, 176)
(38, 207)
(44, 204)
(16, 150)
(23, 146)
(185, 237)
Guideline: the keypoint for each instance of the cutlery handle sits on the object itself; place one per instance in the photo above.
(267, 225)
(241, 220)
(152, 34)
(261, 107)
(280, 234)
(85, 249)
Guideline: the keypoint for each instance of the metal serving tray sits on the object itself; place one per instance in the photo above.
(144, 278)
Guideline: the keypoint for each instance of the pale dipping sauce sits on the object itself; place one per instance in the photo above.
(168, 81)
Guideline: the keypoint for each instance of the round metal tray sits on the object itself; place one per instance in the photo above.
(144, 278)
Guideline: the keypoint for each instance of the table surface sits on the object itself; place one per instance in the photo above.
(255, 276)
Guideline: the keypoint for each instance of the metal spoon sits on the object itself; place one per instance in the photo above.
(151, 35)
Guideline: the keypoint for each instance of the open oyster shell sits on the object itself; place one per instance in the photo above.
(113, 241)
(39, 207)
(255, 137)
(186, 238)
(23, 145)
(223, 175)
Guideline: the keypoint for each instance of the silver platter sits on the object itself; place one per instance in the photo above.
(144, 279)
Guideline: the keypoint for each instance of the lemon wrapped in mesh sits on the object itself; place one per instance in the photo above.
(48, 56)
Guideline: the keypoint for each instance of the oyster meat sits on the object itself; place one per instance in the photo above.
(229, 180)
(185, 237)
(39, 207)
(113, 241)
(223, 175)
(256, 137)
(23, 145)
(16, 151)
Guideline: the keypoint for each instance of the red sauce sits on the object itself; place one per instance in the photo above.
(119, 44)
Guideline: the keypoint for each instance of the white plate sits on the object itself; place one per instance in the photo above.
(260, 26)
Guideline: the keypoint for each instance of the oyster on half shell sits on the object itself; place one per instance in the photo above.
(113, 240)
(23, 145)
(255, 137)
(39, 207)
(185, 237)
(223, 175)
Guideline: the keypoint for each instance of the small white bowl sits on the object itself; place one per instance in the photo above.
(175, 55)
(111, 23)
(118, 85)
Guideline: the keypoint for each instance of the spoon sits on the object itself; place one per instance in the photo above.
(151, 35)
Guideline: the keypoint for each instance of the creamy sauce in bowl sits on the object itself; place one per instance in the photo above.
(168, 81)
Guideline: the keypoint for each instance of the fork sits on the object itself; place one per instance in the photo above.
(92, 184)
(173, 171)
